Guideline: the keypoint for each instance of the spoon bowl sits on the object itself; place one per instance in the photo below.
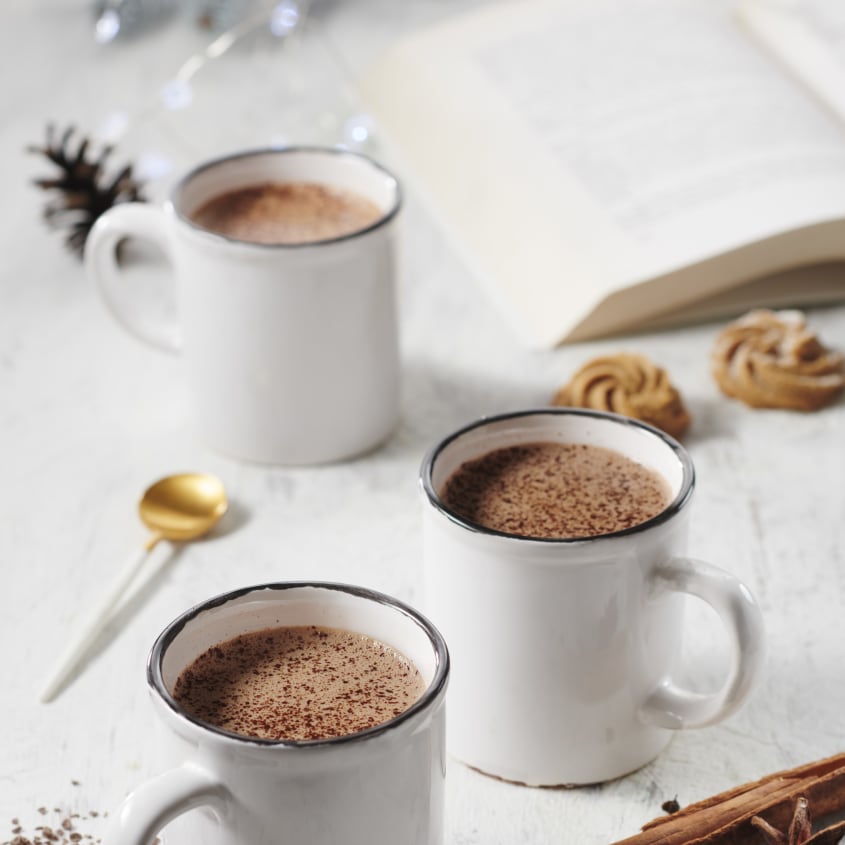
(182, 507)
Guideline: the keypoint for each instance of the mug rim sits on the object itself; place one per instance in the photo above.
(204, 166)
(677, 504)
(433, 691)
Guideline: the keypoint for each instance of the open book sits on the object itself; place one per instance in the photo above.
(614, 165)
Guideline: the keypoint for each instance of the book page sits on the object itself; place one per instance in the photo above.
(578, 148)
(808, 37)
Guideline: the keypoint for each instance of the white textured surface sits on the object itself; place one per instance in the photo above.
(89, 417)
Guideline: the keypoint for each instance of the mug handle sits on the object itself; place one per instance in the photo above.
(129, 220)
(146, 810)
(671, 706)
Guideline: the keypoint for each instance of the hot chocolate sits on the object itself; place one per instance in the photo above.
(298, 683)
(286, 213)
(555, 491)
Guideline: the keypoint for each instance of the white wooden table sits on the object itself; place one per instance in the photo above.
(89, 417)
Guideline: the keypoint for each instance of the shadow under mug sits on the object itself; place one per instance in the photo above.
(290, 351)
(565, 651)
(380, 786)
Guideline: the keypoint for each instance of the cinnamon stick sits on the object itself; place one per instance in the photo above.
(725, 819)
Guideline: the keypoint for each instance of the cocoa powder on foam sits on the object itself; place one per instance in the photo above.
(555, 490)
(286, 213)
(299, 683)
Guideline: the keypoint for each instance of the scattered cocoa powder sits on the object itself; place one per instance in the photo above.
(64, 828)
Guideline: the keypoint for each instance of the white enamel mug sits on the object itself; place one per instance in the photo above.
(290, 352)
(564, 652)
(381, 786)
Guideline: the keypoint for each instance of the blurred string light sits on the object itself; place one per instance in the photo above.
(107, 26)
(280, 16)
(356, 132)
(113, 18)
(232, 20)
(284, 18)
(123, 18)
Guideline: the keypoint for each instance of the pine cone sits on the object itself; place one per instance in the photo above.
(83, 191)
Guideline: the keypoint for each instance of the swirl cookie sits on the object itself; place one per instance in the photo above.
(770, 359)
(630, 385)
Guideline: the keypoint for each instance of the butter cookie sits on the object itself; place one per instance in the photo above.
(630, 385)
(771, 359)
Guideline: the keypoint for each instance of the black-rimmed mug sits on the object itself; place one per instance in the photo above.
(565, 651)
(290, 351)
(380, 786)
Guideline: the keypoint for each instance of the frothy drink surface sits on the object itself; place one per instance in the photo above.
(555, 490)
(299, 683)
(286, 213)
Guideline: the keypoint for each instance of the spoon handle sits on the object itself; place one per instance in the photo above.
(98, 620)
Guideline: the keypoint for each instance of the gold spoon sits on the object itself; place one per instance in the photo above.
(178, 508)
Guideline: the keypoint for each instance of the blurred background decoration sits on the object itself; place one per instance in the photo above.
(115, 19)
(263, 73)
